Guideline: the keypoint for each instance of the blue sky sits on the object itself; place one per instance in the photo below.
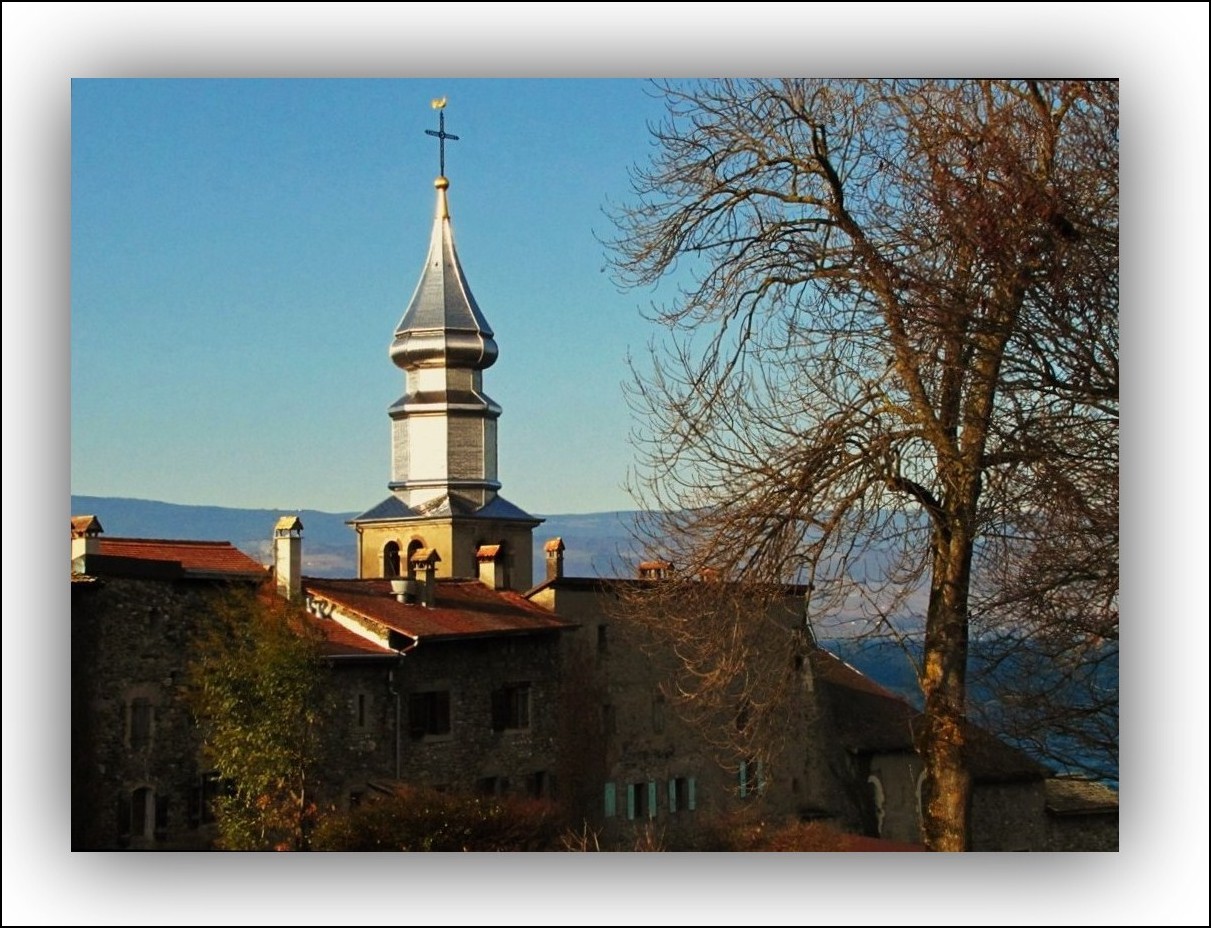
(243, 249)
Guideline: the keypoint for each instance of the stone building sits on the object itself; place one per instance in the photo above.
(135, 606)
(451, 683)
(453, 671)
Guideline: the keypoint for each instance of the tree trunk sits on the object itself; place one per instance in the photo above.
(946, 791)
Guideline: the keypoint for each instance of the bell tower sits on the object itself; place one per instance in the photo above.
(444, 485)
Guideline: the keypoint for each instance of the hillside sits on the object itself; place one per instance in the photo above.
(598, 544)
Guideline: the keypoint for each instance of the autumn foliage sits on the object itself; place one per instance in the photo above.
(259, 691)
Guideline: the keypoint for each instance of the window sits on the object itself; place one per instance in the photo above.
(413, 546)
(139, 722)
(143, 814)
(603, 642)
(752, 778)
(682, 794)
(202, 799)
(611, 801)
(361, 705)
(511, 707)
(391, 559)
(658, 713)
(493, 786)
(877, 801)
(641, 800)
(429, 714)
(541, 785)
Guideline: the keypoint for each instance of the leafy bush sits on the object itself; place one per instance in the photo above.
(417, 819)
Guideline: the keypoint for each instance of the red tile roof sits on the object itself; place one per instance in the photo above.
(195, 557)
(461, 609)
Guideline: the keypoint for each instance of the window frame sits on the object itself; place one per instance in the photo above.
(430, 715)
(512, 707)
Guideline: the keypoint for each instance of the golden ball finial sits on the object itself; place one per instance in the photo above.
(439, 103)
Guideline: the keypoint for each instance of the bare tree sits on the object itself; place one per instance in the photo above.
(894, 330)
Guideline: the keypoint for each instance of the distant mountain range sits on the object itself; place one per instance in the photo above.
(599, 544)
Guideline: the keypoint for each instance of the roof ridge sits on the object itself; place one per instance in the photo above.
(110, 539)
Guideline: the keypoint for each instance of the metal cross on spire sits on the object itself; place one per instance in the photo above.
(441, 134)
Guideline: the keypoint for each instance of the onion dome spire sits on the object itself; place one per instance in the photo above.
(443, 326)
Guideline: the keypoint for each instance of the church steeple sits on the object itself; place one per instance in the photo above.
(444, 426)
(443, 325)
(443, 429)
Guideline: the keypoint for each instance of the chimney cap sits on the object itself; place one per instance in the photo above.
(85, 526)
(656, 565)
(554, 545)
(655, 569)
(288, 524)
(425, 557)
(487, 552)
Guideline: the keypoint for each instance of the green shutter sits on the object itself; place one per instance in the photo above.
(672, 795)
(743, 779)
(651, 798)
(610, 801)
(692, 798)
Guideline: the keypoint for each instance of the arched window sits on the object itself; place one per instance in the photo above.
(391, 559)
(879, 800)
(142, 814)
(413, 546)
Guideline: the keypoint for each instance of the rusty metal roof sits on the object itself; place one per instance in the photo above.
(341, 642)
(461, 609)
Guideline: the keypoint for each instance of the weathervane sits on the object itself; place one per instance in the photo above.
(441, 134)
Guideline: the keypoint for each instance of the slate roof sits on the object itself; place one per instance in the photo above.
(393, 508)
(1075, 796)
(192, 558)
(462, 609)
(872, 719)
(869, 718)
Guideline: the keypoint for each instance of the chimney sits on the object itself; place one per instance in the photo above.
(404, 589)
(288, 557)
(85, 540)
(554, 550)
(655, 570)
(426, 559)
(490, 561)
